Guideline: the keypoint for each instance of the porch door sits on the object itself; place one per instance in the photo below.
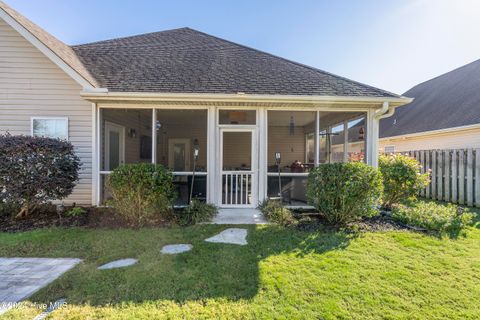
(114, 146)
(238, 177)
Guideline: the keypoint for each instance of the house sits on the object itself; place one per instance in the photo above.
(444, 115)
(240, 118)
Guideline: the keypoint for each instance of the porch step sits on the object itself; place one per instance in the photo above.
(239, 216)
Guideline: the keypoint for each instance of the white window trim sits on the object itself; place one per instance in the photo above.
(50, 118)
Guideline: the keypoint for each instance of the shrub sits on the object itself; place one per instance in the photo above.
(275, 212)
(141, 191)
(197, 212)
(344, 192)
(402, 178)
(34, 170)
(75, 212)
(433, 216)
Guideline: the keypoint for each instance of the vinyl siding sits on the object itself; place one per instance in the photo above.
(31, 85)
(452, 140)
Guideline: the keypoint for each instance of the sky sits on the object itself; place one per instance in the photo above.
(389, 44)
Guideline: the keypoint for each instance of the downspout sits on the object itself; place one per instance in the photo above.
(384, 112)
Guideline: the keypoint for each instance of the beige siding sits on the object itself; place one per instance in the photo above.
(32, 85)
(452, 140)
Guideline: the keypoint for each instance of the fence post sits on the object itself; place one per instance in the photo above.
(434, 174)
(454, 177)
(469, 177)
(461, 177)
(440, 165)
(427, 168)
(446, 160)
(477, 177)
(422, 163)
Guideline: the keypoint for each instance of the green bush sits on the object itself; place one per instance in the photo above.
(402, 178)
(196, 212)
(141, 191)
(36, 170)
(344, 192)
(275, 212)
(433, 216)
(75, 212)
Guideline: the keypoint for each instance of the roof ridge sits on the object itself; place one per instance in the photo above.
(294, 62)
(127, 37)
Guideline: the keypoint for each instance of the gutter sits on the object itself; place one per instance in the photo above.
(105, 95)
(386, 111)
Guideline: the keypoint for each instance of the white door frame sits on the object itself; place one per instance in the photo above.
(254, 165)
(121, 131)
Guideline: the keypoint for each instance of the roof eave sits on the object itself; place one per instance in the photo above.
(96, 96)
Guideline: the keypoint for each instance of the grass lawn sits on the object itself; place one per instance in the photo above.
(281, 273)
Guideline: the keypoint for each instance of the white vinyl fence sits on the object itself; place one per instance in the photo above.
(455, 175)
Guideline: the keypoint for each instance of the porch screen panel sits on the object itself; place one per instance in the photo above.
(180, 132)
(125, 137)
(292, 134)
(356, 139)
(333, 136)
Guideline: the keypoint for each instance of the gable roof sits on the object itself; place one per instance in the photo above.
(188, 61)
(447, 101)
(60, 49)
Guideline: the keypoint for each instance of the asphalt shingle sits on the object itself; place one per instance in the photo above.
(447, 101)
(189, 61)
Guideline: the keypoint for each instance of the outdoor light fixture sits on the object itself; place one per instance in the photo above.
(158, 125)
(361, 133)
(278, 157)
(132, 133)
(196, 151)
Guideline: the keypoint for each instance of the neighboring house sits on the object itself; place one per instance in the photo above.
(444, 115)
(158, 97)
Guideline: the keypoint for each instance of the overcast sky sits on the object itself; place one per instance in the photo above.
(390, 44)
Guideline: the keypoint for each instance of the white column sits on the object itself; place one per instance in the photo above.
(345, 141)
(262, 128)
(95, 176)
(317, 138)
(212, 189)
(154, 135)
(372, 138)
(98, 150)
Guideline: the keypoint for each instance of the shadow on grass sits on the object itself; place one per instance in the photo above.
(210, 270)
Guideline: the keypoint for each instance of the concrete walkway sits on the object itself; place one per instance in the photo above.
(22, 277)
(239, 216)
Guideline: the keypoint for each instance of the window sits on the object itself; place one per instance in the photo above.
(50, 127)
(247, 117)
(389, 149)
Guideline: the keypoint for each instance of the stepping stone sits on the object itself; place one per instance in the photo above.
(176, 248)
(230, 235)
(118, 264)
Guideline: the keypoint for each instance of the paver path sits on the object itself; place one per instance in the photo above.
(230, 235)
(176, 248)
(21, 277)
(122, 263)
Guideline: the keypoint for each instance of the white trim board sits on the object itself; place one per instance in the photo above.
(432, 132)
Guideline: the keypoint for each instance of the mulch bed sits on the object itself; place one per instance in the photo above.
(95, 218)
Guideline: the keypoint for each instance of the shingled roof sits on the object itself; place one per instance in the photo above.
(447, 101)
(189, 61)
